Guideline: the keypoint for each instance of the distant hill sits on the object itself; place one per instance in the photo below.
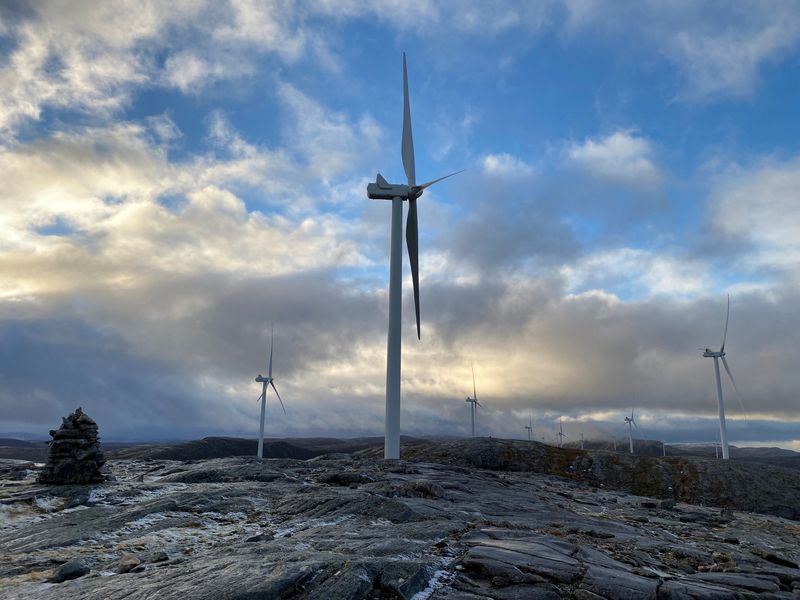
(640, 447)
(739, 484)
(23, 449)
(223, 447)
(774, 456)
(15, 443)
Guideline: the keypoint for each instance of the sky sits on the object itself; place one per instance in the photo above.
(177, 178)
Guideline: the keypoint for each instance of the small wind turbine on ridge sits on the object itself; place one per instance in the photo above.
(631, 423)
(529, 427)
(473, 402)
(560, 434)
(397, 193)
(266, 381)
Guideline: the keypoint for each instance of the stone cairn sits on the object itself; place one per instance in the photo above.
(73, 456)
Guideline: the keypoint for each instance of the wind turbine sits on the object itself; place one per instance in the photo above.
(717, 356)
(560, 434)
(581, 441)
(473, 403)
(383, 190)
(631, 423)
(266, 381)
(529, 427)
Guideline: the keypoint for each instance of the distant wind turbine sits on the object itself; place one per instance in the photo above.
(266, 381)
(529, 427)
(560, 434)
(581, 441)
(631, 423)
(473, 403)
(717, 356)
(397, 193)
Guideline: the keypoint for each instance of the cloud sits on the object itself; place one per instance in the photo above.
(718, 47)
(758, 209)
(326, 140)
(726, 62)
(96, 59)
(620, 157)
(504, 164)
(636, 272)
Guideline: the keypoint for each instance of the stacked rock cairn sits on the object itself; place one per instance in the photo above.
(73, 455)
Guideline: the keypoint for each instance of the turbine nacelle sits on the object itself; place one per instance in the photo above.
(708, 353)
(383, 190)
(262, 379)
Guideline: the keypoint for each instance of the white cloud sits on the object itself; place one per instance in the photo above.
(620, 157)
(504, 164)
(718, 47)
(325, 139)
(727, 62)
(637, 272)
(94, 58)
(761, 206)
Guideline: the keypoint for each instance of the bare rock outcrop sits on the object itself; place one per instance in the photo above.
(73, 455)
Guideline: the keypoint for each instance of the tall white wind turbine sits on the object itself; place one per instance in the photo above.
(631, 424)
(266, 382)
(717, 356)
(529, 428)
(473, 403)
(397, 193)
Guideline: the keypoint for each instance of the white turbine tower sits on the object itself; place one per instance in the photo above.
(581, 441)
(631, 424)
(473, 403)
(529, 428)
(717, 356)
(266, 382)
(560, 434)
(397, 193)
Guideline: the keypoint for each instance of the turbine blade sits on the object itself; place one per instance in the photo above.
(634, 424)
(474, 393)
(272, 383)
(271, 345)
(408, 141)
(727, 318)
(735, 388)
(412, 241)
(428, 184)
(728, 370)
(479, 404)
(261, 395)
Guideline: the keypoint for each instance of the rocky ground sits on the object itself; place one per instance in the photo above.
(354, 526)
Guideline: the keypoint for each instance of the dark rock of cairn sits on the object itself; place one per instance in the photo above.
(74, 456)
